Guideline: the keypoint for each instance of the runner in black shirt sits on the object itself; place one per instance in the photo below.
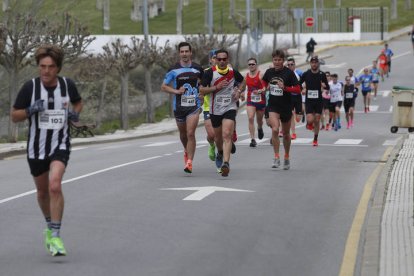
(314, 82)
(280, 81)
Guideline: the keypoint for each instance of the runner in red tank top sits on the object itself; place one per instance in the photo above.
(256, 102)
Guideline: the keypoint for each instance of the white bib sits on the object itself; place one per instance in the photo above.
(349, 95)
(255, 98)
(52, 119)
(275, 90)
(188, 100)
(313, 94)
(223, 100)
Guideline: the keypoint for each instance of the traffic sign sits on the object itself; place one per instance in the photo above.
(309, 21)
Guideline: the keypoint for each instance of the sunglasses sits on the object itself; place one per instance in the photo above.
(251, 64)
(221, 59)
(290, 64)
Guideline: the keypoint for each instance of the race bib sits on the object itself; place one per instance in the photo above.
(223, 100)
(335, 98)
(255, 98)
(188, 100)
(349, 95)
(52, 119)
(275, 90)
(313, 94)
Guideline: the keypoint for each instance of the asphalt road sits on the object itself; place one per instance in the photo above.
(123, 216)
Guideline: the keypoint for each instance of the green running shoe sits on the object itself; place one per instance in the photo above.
(212, 152)
(56, 247)
(47, 233)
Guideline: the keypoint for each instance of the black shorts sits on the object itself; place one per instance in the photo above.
(285, 115)
(296, 101)
(348, 104)
(333, 106)
(216, 120)
(364, 93)
(326, 103)
(181, 117)
(40, 166)
(313, 107)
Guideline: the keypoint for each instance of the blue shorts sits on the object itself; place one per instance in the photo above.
(206, 115)
(364, 93)
(259, 106)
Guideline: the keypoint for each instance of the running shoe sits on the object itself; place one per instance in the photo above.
(315, 143)
(219, 160)
(225, 169)
(368, 109)
(185, 158)
(336, 127)
(253, 143)
(339, 124)
(47, 233)
(276, 163)
(188, 167)
(212, 152)
(56, 247)
(234, 138)
(365, 110)
(233, 148)
(286, 164)
(327, 127)
(309, 127)
(322, 127)
(293, 136)
(260, 133)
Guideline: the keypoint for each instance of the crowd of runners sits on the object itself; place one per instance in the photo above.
(281, 97)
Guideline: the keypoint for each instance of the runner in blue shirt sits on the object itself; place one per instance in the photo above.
(365, 80)
(375, 77)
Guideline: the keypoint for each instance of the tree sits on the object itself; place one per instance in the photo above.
(23, 32)
(180, 17)
(394, 13)
(125, 58)
(408, 5)
(242, 25)
(275, 25)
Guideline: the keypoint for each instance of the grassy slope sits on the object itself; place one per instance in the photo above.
(193, 15)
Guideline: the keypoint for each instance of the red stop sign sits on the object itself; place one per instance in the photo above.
(309, 21)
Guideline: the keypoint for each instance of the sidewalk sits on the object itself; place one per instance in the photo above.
(387, 239)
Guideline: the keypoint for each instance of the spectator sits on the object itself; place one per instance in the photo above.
(310, 48)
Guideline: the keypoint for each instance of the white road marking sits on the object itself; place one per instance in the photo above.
(338, 65)
(391, 108)
(78, 148)
(385, 93)
(83, 176)
(160, 144)
(348, 142)
(203, 192)
(373, 108)
(302, 141)
(392, 142)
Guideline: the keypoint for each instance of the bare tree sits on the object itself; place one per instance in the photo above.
(275, 25)
(338, 3)
(6, 4)
(242, 25)
(394, 13)
(23, 32)
(180, 17)
(126, 58)
(231, 9)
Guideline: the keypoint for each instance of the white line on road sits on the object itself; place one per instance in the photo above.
(203, 192)
(82, 176)
(348, 142)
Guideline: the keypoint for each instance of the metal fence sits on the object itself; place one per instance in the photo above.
(328, 20)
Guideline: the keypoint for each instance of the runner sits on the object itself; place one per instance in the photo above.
(206, 112)
(350, 94)
(44, 102)
(315, 81)
(375, 78)
(281, 82)
(354, 80)
(336, 93)
(389, 53)
(326, 115)
(383, 64)
(182, 80)
(366, 87)
(297, 110)
(256, 102)
(226, 85)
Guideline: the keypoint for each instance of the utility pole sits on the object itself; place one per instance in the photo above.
(106, 15)
(248, 26)
(210, 17)
(315, 15)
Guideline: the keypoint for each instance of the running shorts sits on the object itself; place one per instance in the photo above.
(216, 120)
(313, 107)
(40, 166)
(183, 117)
(259, 107)
(296, 101)
(285, 115)
(348, 104)
(333, 106)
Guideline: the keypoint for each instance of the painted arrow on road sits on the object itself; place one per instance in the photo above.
(203, 192)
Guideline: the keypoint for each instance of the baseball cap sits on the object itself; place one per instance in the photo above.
(212, 53)
(314, 58)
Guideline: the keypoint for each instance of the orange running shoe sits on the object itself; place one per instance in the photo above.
(234, 138)
(185, 157)
(315, 143)
(293, 136)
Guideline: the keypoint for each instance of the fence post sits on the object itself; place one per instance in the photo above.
(382, 22)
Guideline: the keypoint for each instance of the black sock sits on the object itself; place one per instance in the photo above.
(48, 222)
(315, 137)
